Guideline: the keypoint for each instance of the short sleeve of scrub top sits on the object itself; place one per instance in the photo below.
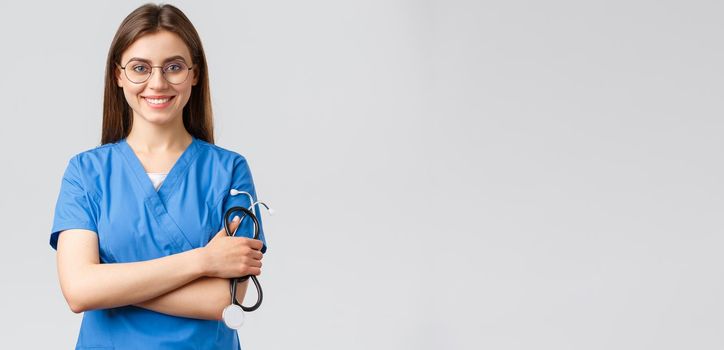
(106, 190)
(74, 208)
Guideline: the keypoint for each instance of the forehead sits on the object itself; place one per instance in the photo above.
(157, 47)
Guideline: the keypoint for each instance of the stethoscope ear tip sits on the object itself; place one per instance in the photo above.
(271, 211)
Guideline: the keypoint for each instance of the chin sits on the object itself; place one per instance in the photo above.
(158, 119)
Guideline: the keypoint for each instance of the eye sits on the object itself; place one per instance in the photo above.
(174, 67)
(140, 68)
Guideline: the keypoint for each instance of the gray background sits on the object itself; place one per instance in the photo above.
(447, 174)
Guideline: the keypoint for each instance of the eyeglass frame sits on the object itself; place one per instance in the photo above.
(163, 74)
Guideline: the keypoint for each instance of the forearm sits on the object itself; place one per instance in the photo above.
(102, 286)
(204, 298)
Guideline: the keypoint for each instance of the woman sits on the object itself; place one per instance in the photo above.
(138, 222)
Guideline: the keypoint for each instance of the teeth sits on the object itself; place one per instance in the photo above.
(157, 101)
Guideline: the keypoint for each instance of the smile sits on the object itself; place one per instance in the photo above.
(158, 101)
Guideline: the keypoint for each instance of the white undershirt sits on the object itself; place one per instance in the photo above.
(157, 179)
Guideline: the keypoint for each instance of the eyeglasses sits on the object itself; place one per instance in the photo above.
(175, 72)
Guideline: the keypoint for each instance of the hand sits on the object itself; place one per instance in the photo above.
(231, 257)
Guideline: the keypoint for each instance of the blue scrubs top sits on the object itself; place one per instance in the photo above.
(106, 190)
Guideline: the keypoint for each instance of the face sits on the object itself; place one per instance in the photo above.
(156, 100)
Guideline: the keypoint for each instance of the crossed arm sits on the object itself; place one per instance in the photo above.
(175, 285)
(204, 298)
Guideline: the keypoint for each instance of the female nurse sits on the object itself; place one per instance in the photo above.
(141, 249)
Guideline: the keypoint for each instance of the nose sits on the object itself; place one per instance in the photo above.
(156, 81)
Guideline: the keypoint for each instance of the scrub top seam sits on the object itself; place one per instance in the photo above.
(83, 182)
(189, 156)
(178, 241)
(134, 164)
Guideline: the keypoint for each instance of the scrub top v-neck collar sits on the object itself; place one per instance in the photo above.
(177, 172)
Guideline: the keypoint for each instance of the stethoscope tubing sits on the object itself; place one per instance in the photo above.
(234, 281)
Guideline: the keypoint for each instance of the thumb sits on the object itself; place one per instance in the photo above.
(234, 224)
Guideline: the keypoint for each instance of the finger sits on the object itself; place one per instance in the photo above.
(251, 270)
(253, 263)
(257, 255)
(250, 251)
(255, 244)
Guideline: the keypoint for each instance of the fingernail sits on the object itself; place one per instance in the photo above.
(235, 219)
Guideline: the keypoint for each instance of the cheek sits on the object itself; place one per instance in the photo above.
(185, 95)
(131, 94)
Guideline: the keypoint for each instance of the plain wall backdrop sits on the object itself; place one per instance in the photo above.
(447, 174)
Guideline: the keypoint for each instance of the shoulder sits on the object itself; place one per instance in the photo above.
(225, 163)
(91, 160)
(94, 155)
(219, 154)
(86, 169)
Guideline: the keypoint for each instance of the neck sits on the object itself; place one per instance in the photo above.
(148, 137)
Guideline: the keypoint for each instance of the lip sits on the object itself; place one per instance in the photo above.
(158, 106)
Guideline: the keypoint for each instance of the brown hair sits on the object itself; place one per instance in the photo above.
(147, 19)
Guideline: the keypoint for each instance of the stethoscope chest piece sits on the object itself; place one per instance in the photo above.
(233, 316)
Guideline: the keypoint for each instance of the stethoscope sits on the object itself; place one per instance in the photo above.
(233, 315)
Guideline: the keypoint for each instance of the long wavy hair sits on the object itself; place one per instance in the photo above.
(148, 19)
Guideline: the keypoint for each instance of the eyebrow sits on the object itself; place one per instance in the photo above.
(173, 58)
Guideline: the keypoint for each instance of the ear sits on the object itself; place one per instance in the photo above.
(195, 81)
(119, 78)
